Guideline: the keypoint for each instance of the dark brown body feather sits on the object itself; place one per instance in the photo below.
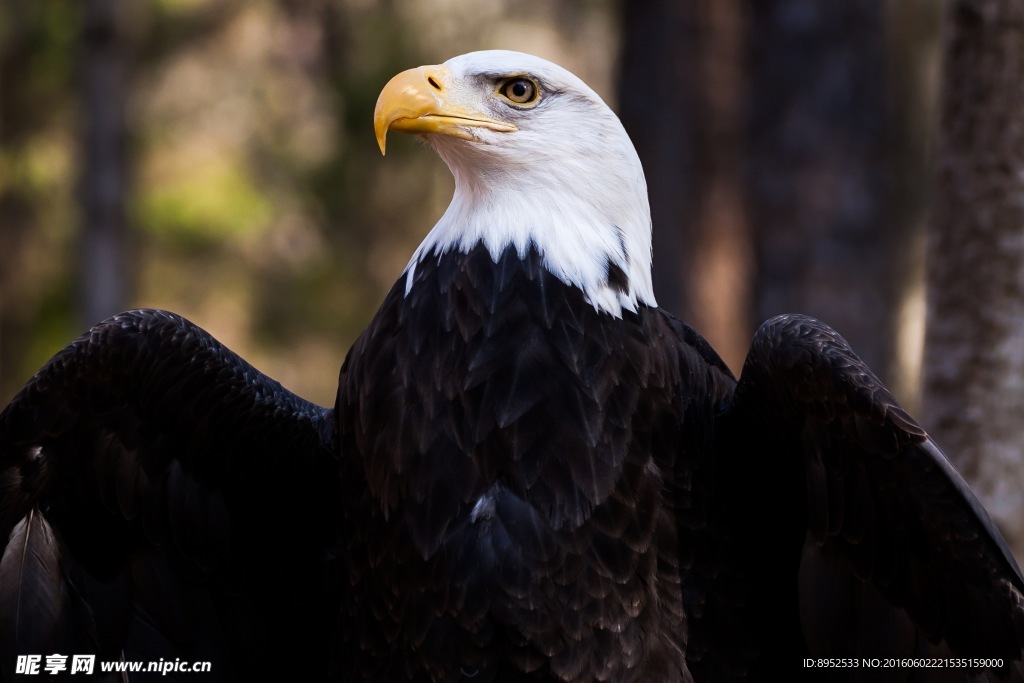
(523, 469)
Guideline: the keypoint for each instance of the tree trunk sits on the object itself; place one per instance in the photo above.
(680, 91)
(104, 83)
(818, 183)
(659, 103)
(974, 345)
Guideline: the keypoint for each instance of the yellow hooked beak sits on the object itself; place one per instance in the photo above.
(428, 100)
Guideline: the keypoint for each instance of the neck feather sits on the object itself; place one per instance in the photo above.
(596, 237)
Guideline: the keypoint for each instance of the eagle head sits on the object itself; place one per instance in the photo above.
(539, 160)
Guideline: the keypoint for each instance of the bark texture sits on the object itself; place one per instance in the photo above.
(973, 397)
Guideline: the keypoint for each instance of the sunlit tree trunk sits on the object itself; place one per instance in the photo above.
(104, 86)
(974, 358)
(680, 89)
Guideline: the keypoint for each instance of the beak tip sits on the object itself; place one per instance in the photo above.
(380, 128)
(381, 123)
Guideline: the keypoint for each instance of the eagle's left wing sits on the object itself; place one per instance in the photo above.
(854, 529)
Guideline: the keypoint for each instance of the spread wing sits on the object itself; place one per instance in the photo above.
(835, 484)
(161, 498)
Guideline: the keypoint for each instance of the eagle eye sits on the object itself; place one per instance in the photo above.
(519, 90)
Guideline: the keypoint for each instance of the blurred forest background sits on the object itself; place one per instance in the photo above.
(858, 161)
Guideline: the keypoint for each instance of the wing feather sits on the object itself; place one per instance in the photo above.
(32, 591)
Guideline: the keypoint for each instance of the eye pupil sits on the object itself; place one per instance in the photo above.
(519, 89)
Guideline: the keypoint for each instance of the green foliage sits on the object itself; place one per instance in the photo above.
(215, 202)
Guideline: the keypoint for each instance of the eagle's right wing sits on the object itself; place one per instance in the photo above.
(160, 499)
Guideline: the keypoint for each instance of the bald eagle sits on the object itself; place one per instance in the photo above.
(531, 472)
